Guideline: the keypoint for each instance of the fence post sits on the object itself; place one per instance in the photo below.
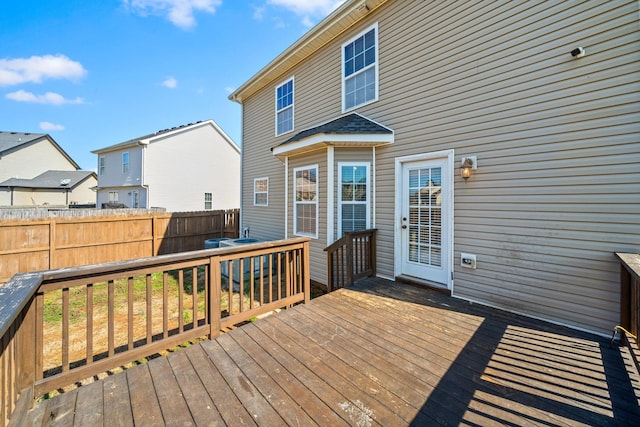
(306, 273)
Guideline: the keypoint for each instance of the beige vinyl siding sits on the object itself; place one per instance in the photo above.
(265, 222)
(318, 257)
(557, 189)
(552, 198)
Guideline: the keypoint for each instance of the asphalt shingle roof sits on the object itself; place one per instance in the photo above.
(49, 179)
(350, 124)
(9, 140)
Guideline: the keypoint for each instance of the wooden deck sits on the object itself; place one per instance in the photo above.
(378, 353)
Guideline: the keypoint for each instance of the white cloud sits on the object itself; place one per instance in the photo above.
(170, 82)
(50, 126)
(308, 10)
(179, 12)
(258, 12)
(39, 68)
(229, 90)
(51, 98)
(308, 7)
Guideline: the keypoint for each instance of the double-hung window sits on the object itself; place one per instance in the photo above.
(125, 162)
(305, 216)
(360, 69)
(261, 192)
(284, 107)
(208, 201)
(101, 165)
(113, 196)
(353, 206)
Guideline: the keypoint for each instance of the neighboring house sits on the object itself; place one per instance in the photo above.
(52, 188)
(187, 168)
(365, 121)
(31, 168)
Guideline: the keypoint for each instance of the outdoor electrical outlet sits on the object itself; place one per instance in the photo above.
(468, 260)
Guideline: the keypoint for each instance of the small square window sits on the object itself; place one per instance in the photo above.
(261, 192)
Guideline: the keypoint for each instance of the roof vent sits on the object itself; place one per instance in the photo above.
(65, 182)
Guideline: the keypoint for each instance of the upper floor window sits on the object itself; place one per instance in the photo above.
(360, 69)
(305, 216)
(101, 165)
(353, 206)
(261, 192)
(208, 201)
(125, 162)
(284, 107)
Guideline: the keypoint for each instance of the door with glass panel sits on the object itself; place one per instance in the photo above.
(424, 225)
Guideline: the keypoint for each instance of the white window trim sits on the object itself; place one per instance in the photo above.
(340, 202)
(255, 192)
(292, 106)
(295, 202)
(102, 162)
(376, 66)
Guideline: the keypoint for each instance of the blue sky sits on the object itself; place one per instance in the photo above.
(92, 73)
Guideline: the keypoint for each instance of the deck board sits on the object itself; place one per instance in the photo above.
(376, 354)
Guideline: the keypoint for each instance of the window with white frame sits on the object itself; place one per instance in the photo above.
(305, 216)
(284, 107)
(261, 192)
(125, 162)
(360, 69)
(353, 194)
(113, 196)
(101, 165)
(208, 201)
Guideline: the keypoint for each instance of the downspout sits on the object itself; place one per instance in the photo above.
(142, 177)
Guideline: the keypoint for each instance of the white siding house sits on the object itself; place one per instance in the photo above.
(188, 168)
(394, 95)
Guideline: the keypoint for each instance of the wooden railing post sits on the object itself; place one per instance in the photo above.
(213, 304)
(306, 272)
(349, 245)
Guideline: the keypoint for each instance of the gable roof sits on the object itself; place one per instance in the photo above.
(146, 139)
(349, 130)
(340, 20)
(13, 141)
(51, 180)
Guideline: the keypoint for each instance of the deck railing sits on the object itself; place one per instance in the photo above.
(351, 257)
(61, 326)
(630, 300)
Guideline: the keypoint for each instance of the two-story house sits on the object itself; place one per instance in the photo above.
(493, 145)
(187, 168)
(36, 171)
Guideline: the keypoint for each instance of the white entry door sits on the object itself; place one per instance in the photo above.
(425, 220)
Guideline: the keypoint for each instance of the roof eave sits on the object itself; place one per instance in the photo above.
(321, 140)
(345, 16)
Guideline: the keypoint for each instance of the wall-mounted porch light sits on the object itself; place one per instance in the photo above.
(467, 165)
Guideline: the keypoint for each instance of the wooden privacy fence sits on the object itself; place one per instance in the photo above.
(57, 242)
(61, 326)
(351, 257)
